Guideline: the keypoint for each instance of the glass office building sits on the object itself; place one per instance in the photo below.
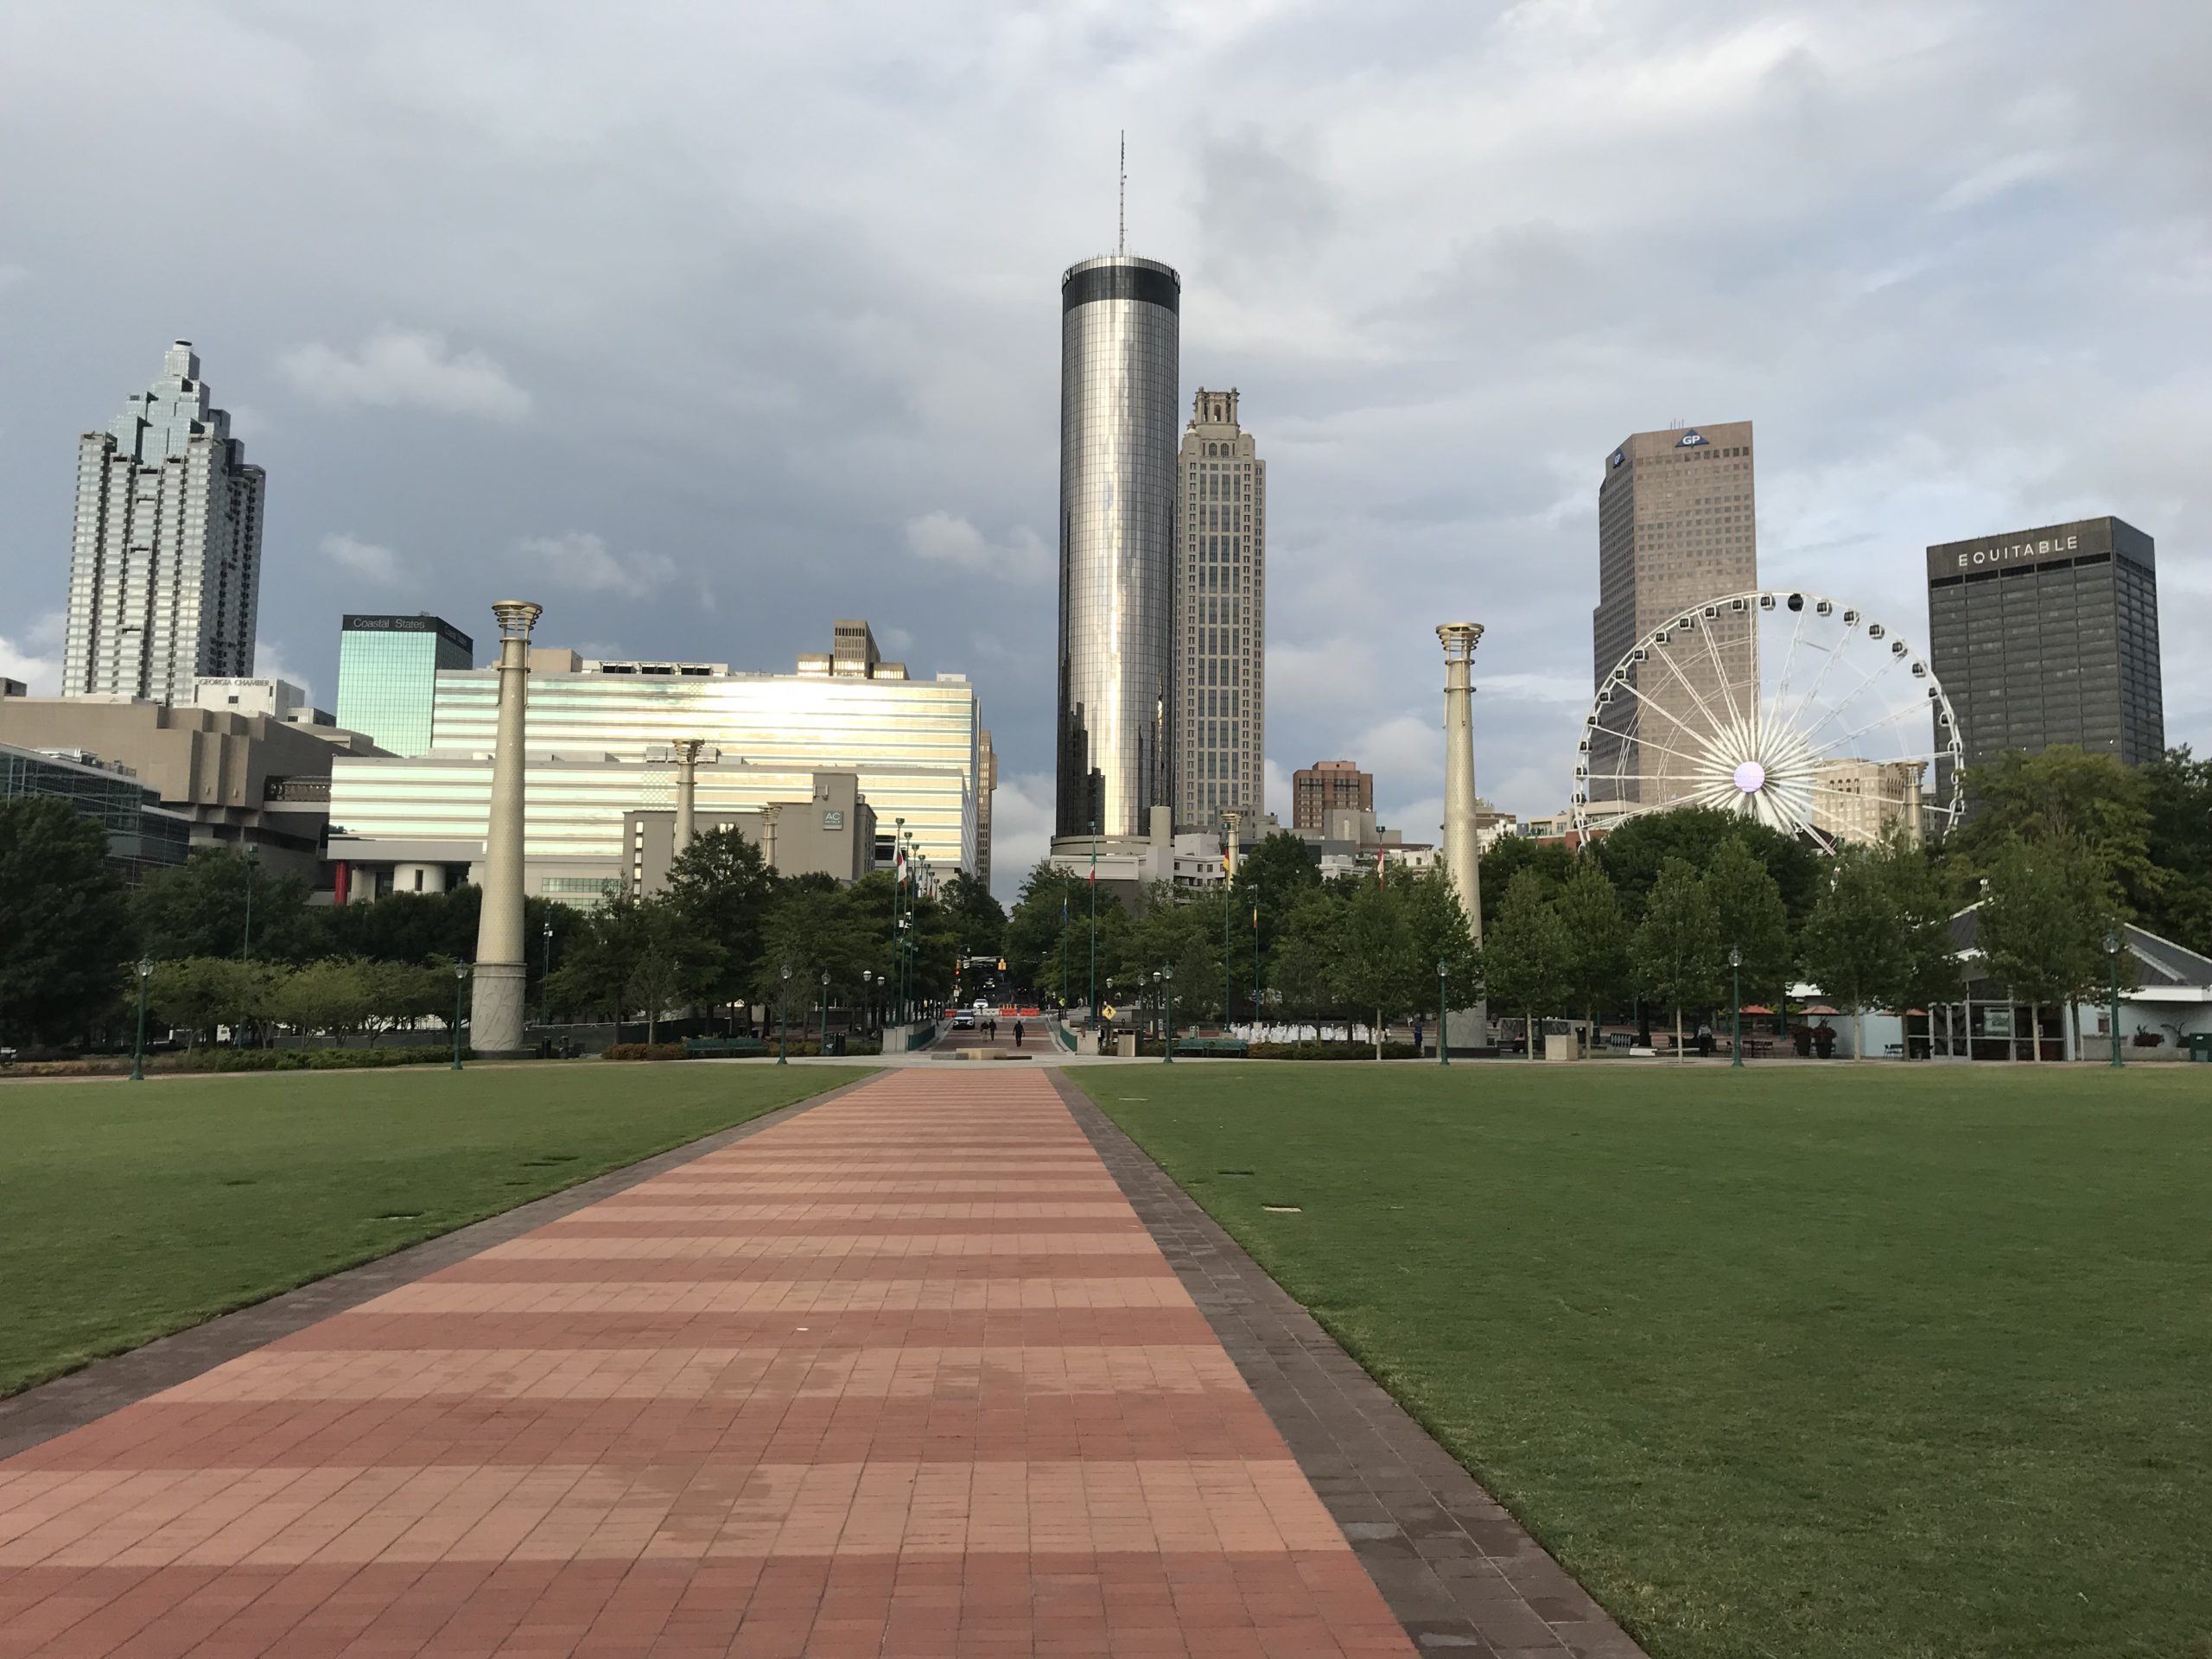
(1120, 323)
(141, 834)
(599, 741)
(2050, 636)
(388, 668)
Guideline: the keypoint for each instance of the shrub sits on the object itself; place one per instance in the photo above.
(308, 1060)
(643, 1051)
(1329, 1052)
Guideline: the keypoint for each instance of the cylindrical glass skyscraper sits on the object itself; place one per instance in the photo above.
(1119, 395)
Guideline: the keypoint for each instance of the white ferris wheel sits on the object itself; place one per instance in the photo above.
(1798, 711)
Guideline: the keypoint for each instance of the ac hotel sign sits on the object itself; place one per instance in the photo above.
(2088, 536)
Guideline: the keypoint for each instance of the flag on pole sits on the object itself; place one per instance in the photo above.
(1381, 879)
(1255, 915)
(898, 867)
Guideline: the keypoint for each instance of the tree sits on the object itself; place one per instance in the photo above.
(411, 927)
(1676, 949)
(1753, 918)
(1925, 969)
(1303, 969)
(1053, 908)
(2044, 918)
(330, 995)
(2059, 792)
(402, 993)
(200, 993)
(1441, 934)
(1852, 948)
(2177, 795)
(1509, 855)
(971, 911)
(1596, 937)
(1525, 953)
(1378, 968)
(200, 910)
(1276, 874)
(720, 892)
(65, 927)
(1635, 851)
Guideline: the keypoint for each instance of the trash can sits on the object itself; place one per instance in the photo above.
(2200, 1046)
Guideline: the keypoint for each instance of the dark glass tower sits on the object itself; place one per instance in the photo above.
(1120, 323)
(2050, 636)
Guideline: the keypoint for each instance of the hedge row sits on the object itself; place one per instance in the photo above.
(308, 1060)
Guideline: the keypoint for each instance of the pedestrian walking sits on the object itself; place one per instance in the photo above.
(1017, 1033)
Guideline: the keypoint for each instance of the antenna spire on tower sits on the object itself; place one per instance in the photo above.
(1122, 213)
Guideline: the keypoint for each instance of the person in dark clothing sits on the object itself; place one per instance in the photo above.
(1017, 1033)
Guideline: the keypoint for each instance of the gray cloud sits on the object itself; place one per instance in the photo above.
(773, 294)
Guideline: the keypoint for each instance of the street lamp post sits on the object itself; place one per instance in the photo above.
(1736, 1014)
(2111, 956)
(459, 989)
(1443, 1012)
(252, 869)
(545, 978)
(868, 995)
(1167, 1012)
(782, 1022)
(138, 1052)
(1094, 923)
(825, 1049)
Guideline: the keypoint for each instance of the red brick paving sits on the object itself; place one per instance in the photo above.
(903, 1375)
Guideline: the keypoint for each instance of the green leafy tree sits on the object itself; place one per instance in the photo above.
(405, 992)
(200, 910)
(1526, 953)
(2044, 918)
(1304, 967)
(1596, 935)
(720, 892)
(1925, 971)
(2061, 792)
(1035, 934)
(1676, 950)
(1441, 935)
(331, 995)
(1275, 875)
(1753, 919)
(2177, 795)
(412, 927)
(1635, 851)
(65, 928)
(1378, 968)
(978, 919)
(1555, 861)
(1852, 947)
(198, 993)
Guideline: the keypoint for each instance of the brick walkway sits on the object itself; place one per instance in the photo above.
(902, 1375)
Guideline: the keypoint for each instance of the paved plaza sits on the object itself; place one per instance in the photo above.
(903, 1372)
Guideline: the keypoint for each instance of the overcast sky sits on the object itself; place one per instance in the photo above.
(706, 324)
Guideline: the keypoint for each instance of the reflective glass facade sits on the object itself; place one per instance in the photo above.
(388, 668)
(141, 834)
(595, 743)
(2050, 636)
(1120, 326)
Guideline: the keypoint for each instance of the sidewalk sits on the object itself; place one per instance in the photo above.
(904, 1375)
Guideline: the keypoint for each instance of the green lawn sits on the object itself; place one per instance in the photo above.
(1882, 1360)
(131, 1210)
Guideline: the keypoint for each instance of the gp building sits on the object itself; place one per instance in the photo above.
(2050, 636)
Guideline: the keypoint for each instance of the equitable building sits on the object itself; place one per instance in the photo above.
(2050, 636)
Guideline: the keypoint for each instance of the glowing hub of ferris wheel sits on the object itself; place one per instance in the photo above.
(1791, 709)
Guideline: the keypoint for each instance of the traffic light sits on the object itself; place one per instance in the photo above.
(1002, 964)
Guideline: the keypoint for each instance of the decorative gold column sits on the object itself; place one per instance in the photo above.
(1462, 845)
(1230, 823)
(687, 787)
(496, 1001)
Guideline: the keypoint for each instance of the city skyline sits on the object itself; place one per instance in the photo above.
(814, 391)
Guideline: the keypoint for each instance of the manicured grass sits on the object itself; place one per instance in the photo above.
(1866, 1361)
(131, 1210)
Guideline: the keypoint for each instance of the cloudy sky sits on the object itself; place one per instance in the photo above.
(705, 324)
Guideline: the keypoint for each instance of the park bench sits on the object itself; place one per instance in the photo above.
(1204, 1045)
(721, 1048)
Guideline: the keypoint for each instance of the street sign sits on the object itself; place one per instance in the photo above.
(1106, 1013)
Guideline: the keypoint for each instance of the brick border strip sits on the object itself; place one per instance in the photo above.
(1455, 1569)
(71, 1401)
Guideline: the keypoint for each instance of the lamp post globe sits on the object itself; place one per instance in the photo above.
(138, 1052)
